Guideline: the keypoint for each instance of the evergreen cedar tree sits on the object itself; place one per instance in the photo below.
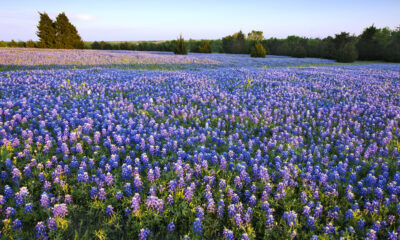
(46, 32)
(58, 34)
(180, 47)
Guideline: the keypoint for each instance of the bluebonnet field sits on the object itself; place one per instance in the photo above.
(227, 147)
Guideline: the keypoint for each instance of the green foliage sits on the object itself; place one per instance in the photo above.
(372, 43)
(258, 51)
(13, 44)
(346, 50)
(347, 53)
(30, 44)
(200, 46)
(299, 52)
(67, 36)
(3, 44)
(255, 36)
(180, 47)
(58, 34)
(95, 45)
(235, 43)
(392, 51)
(124, 46)
(46, 32)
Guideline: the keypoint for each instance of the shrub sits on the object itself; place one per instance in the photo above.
(180, 47)
(258, 51)
(3, 44)
(347, 53)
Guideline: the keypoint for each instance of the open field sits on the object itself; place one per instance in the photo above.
(127, 145)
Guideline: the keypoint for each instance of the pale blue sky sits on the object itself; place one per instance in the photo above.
(206, 19)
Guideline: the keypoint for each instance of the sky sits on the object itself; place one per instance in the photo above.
(124, 20)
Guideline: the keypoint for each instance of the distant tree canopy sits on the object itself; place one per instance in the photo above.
(255, 36)
(202, 46)
(236, 43)
(372, 44)
(58, 34)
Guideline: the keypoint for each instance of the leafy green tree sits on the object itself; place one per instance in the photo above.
(345, 47)
(21, 44)
(124, 46)
(107, 46)
(30, 44)
(95, 45)
(205, 47)
(392, 52)
(180, 47)
(46, 31)
(3, 44)
(258, 51)
(235, 43)
(328, 49)
(13, 44)
(298, 51)
(66, 34)
(372, 43)
(255, 36)
(347, 53)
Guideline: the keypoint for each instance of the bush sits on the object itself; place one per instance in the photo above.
(258, 51)
(3, 44)
(347, 53)
(180, 47)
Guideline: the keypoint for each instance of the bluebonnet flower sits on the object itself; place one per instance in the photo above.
(197, 227)
(110, 210)
(290, 218)
(171, 227)
(144, 233)
(228, 234)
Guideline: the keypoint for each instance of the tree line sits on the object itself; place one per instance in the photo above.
(372, 44)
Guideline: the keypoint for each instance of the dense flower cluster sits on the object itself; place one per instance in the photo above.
(217, 153)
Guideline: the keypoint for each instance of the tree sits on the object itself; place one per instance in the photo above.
(255, 35)
(372, 43)
(3, 44)
(205, 47)
(180, 47)
(95, 45)
(392, 52)
(30, 44)
(235, 43)
(13, 44)
(347, 53)
(66, 34)
(345, 47)
(258, 51)
(46, 31)
(124, 46)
